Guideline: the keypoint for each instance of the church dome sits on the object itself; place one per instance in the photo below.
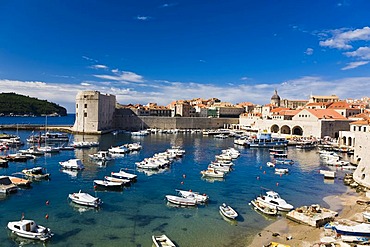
(275, 96)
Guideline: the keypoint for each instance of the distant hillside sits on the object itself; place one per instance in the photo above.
(15, 104)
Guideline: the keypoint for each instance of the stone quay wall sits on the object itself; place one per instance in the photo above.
(133, 122)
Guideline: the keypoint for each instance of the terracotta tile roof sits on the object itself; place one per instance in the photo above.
(288, 112)
(279, 109)
(325, 114)
(339, 105)
(361, 122)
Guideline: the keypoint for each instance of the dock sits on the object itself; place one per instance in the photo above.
(313, 215)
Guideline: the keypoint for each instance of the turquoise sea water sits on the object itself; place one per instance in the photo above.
(131, 216)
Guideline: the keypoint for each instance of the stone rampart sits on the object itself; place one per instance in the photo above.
(133, 122)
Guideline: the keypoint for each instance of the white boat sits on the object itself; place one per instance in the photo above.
(273, 198)
(355, 229)
(36, 173)
(353, 239)
(264, 207)
(85, 199)
(101, 156)
(84, 144)
(228, 211)
(133, 146)
(181, 200)
(241, 142)
(124, 175)
(162, 241)
(281, 170)
(49, 149)
(366, 216)
(210, 172)
(224, 156)
(270, 164)
(33, 151)
(284, 161)
(219, 167)
(108, 184)
(118, 150)
(74, 164)
(194, 195)
(6, 185)
(29, 229)
(328, 174)
(118, 180)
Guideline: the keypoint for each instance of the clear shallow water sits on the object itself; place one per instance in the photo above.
(130, 217)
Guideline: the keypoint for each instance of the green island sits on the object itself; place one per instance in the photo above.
(13, 104)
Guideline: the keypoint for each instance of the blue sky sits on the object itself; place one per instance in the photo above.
(160, 51)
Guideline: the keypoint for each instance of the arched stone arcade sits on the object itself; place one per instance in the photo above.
(297, 130)
(285, 129)
(274, 128)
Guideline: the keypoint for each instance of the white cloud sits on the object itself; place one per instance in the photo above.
(143, 18)
(163, 92)
(125, 76)
(244, 78)
(309, 51)
(89, 59)
(362, 52)
(353, 65)
(342, 38)
(99, 66)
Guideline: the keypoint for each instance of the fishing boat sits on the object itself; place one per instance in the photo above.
(36, 173)
(124, 175)
(162, 241)
(200, 198)
(281, 170)
(118, 180)
(73, 164)
(101, 156)
(273, 198)
(181, 200)
(264, 207)
(20, 181)
(85, 199)
(228, 211)
(29, 229)
(108, 184)
(211, 172)
(355, 229)
(6, 185)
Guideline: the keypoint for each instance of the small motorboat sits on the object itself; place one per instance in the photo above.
(36, 173)
(194, 195)
(264, 207)
(29, 229)
(118, 150)
(73, 164)
(181, 200)
(162, 241)
(101, 156)
(270, 164)
(273, 198)
(85, 199)
(228, 211)
(281, 170)
(108, 184)
(118, 180)
(211, 172)
(6, 185)
(124, 175)
(20, 181)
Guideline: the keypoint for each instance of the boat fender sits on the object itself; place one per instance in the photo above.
(277, 184)
(47, 202)
(47, 216)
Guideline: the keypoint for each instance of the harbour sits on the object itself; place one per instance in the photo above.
(131, 216)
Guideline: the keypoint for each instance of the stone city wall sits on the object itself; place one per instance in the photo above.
(362, 173)
(133, 122)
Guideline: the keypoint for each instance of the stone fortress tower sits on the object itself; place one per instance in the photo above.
(275, 99)
(94, 112)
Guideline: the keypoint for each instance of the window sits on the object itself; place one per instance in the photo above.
(85, 106)
(85, 114)
(76, 105)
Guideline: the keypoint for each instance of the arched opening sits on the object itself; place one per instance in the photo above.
(336, 135)
(344, 140)
(297, 130)
(349, 141)
(285, 129)
(353, 142)
(274, 128)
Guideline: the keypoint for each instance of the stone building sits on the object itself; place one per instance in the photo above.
(275, 99)
(94, 112)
